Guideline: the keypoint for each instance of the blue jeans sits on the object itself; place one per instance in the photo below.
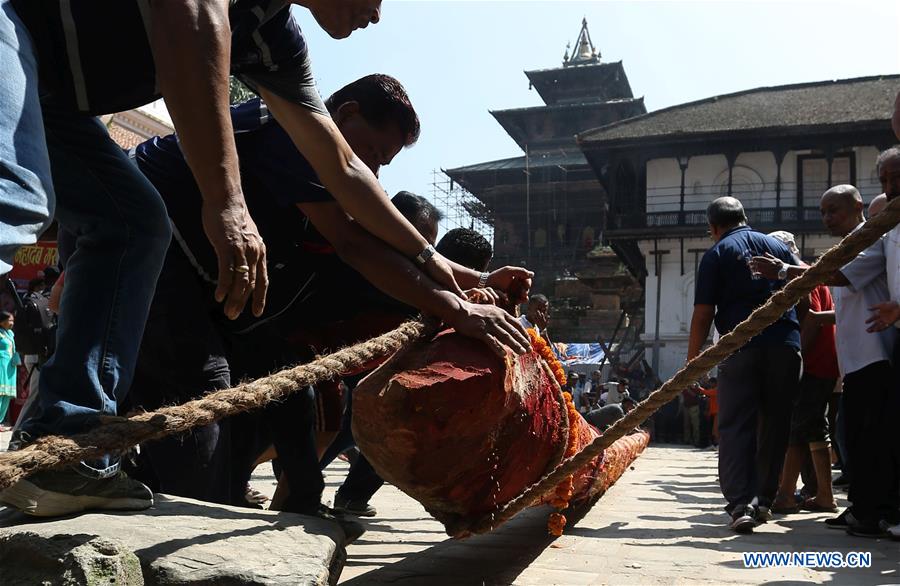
(121, 235)
(26, 191)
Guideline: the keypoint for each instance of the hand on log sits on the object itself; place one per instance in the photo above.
(492, 325)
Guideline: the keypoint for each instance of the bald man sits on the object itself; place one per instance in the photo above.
(876, 205)
(864, 356)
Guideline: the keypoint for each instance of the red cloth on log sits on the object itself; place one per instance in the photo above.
(464, 431)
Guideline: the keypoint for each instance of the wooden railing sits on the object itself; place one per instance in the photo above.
(758, 217)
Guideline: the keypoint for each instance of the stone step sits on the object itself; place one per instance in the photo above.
(177, 541)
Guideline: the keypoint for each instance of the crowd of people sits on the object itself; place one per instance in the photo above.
(691, 418)
(819, 385)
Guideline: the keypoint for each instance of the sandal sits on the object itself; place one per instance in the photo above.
(812, 505)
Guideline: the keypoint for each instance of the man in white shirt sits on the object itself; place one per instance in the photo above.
(885, 254)
(593, 383)
(864, 353)
(864, 359)
(887, 312)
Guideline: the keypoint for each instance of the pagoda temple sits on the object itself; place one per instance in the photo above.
(547, 207)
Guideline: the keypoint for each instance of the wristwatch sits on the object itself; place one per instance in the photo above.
(425, 255)
(783, 271)
(483, 279)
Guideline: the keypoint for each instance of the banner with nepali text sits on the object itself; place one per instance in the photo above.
(31, 260)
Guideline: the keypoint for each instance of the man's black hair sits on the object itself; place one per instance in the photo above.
(415, 207)
(51, 275)
(466, 247)
(726, 212)
(382, 102)
(538, 299)
(35, 284)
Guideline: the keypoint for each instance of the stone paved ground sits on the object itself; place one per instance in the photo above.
(661, 524)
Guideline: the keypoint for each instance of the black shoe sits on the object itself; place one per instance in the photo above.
(864, 529)
(352, 529)
(839, 522)
(763, 515)
(353, 507)
(743, 519)
(841, 480)
(18, 440)
(55, 493)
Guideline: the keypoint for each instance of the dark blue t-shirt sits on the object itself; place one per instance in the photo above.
(308, 283)
(95, 57)
(275, 177)
(724, 280)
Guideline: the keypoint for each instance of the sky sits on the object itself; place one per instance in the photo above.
(459, 59)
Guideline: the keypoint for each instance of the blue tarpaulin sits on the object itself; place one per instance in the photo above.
(577, 353)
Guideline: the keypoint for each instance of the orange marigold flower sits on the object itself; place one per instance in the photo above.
(556, 524)
(565, 490)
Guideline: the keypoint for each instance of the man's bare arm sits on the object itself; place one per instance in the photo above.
(823, 318)
(191, 41)
(768, 266)
(352, 183)
(810, 328)
(401, 279)
(701, 321)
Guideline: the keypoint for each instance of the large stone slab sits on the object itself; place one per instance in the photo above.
(178, 541)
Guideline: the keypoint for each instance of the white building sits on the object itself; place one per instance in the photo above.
(776, 149)
(132, 127)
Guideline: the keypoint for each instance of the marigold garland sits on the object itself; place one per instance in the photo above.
(543, 349)
(564, 491)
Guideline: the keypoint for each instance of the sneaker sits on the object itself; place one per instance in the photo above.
(55, 493)
(841, 480)
(864, 529)
(358, 507)
(743, 519)
(352, 529)
(763, 515)
(18, 440)
(839, 522)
